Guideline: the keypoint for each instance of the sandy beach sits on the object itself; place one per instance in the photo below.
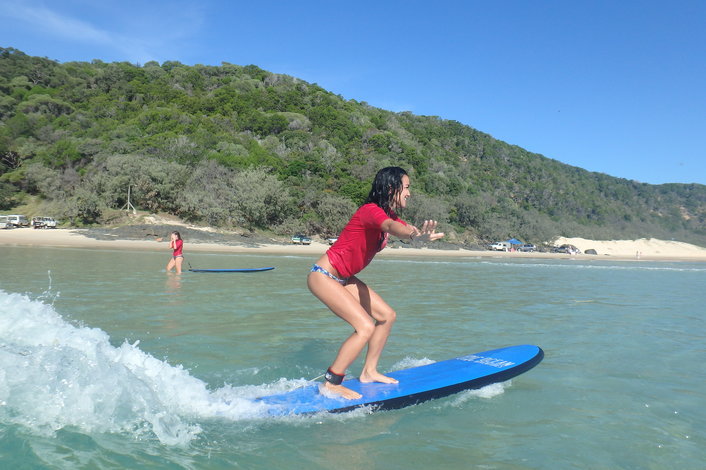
(642, 249)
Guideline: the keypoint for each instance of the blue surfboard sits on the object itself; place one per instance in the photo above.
(243, 270)
(416, 384)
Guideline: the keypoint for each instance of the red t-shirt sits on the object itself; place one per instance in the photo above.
(178, 245)
(360, 240)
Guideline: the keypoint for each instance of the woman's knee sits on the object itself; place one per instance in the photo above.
(391, 317)
(366, 330)
(387, 315)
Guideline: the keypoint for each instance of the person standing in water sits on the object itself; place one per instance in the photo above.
(177, 245)
(333, 277)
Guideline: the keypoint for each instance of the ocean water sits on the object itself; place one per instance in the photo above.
(107, 362)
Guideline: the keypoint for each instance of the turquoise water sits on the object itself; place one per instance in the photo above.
(107, 362)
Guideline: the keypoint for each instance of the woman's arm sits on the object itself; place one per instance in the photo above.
(410, 232)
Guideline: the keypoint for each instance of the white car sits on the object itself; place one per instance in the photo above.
(301, 240)
(498, 246)
(4, 223)
(18, 220)
(44, 222)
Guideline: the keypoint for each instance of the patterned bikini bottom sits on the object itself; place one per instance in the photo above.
(318, 269)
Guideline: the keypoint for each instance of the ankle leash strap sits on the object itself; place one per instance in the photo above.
(333, 377)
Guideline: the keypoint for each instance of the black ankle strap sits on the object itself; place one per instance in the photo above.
(333, 377)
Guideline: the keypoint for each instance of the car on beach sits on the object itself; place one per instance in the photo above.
(331, 240)
(567, 249)
(18, 220)
(4, 223)
(44, 222)
(301, 240)
(528, 248)
(499, 246)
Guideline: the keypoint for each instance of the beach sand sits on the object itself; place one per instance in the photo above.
(642, 249)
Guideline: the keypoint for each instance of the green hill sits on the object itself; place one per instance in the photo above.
(237, 146)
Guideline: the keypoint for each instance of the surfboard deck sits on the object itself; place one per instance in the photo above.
(416, 384)
(242, 270)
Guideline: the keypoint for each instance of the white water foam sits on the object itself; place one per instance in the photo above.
(408, 363)
(489, 391)
(55, 375)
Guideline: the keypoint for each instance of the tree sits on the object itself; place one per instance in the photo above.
(155, 184)
(48, 182)
(84, 207)
(207, 196)
(63, 154)
(422, 207)
(260, 198)
(45, 104)
(333, 212)
(7, 194)
(469, 211)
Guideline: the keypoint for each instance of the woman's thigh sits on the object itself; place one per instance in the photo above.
(370, 300)
(340, 300)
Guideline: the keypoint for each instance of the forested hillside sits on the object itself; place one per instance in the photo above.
(237, 146)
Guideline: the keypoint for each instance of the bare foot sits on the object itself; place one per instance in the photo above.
(375, 376)
(330, 390)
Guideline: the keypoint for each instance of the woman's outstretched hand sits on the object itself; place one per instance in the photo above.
(428, 232)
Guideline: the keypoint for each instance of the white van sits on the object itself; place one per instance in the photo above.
(500, 246)
(18, 220)
(4, 223)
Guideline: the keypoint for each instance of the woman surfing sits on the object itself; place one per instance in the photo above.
(333, 277)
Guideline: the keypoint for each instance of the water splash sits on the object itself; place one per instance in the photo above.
(487, 392)
(55, 375)
(409, 362)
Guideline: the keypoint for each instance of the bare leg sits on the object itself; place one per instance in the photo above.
(384, 317)
(170, 264)
(178, 261)
(375, 346)
(345, 305)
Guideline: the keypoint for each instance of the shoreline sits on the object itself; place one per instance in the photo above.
(613, 250)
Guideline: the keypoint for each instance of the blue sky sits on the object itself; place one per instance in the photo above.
(617, 87)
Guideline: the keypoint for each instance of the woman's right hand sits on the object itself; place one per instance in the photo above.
(428, 232)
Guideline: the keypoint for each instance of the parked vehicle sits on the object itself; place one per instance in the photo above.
(18, 220)
(301, 240)
(332, 240)
(4, 223)
(528, 247)
(568, 249)
(44, 222)
(500, 246)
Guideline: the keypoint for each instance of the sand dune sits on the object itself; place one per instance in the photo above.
(642, 248)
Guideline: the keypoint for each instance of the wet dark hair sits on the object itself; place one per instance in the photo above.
(386, 186)
(177, 234)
